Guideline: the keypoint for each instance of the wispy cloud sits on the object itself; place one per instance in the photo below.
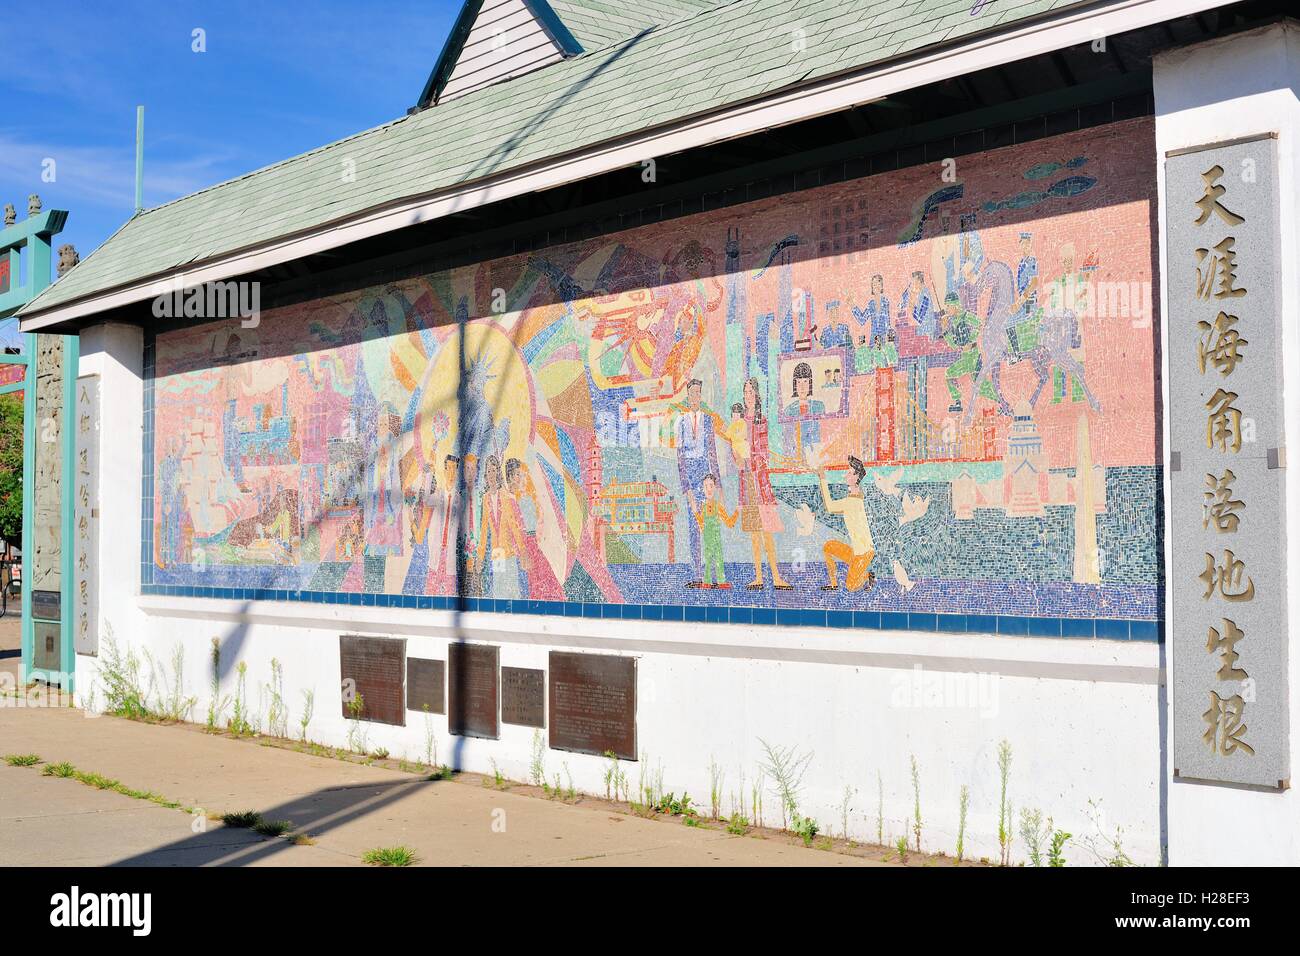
(101, 175)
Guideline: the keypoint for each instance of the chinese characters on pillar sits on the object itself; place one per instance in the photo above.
(85, 518)
(1225, 578)
(1227, 592)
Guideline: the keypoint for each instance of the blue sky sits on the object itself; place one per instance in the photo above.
(278, 78)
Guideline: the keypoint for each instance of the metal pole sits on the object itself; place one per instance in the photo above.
(139, 158)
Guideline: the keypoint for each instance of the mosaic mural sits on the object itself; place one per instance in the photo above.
(930, 390)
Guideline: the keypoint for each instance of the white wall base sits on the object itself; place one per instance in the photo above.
(1082, 716)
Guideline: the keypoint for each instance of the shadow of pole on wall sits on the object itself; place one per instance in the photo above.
(465, 563)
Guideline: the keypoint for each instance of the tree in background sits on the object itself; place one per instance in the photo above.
(11, 470)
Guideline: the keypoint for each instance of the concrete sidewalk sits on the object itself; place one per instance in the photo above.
(346, 808)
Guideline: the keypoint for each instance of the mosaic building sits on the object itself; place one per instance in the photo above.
(737, 402)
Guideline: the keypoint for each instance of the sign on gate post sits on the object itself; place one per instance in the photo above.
(1227, 586)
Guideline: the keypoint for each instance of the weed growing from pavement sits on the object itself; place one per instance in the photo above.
(1056, 852)
(916, 802)
(90, 778)
(1032, 832)
(240, 723)
(430, 741)
(124, 696)
(216, 703)
(1105, 848)
(356, 735)
(1004, 807)
(22, 760)
(389, 856)
(537, 767)
(277, 714)
(308, 706)
(786, 766)
(716, 779)
(880, 809)
(272, 828)
(963, 803)
(243, 819)
(615, 778)
(175, 706)
(669, 805)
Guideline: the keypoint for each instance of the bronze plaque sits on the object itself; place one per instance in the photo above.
(472, 690)
(593, 703)
(424, 685)
(374, 668)
(523, 696)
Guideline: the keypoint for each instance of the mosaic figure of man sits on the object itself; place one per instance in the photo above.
(983, 361)
(697, 456)
(857, 553)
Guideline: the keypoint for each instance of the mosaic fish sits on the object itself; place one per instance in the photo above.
(1043, 170)
(1070, 186)
(912, 232)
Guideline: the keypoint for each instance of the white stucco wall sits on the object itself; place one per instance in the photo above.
(1221, 90)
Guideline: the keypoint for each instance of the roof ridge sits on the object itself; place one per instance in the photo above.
(712, 6)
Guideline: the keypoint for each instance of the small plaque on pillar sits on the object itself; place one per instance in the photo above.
(593, 703)
(47, 605)
(373, 667)
(523, 696)
(424, 685)
(472, 690)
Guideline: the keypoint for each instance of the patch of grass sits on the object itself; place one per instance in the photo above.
(389, 856)
(22, 760)
(97, 780)
(100, 782)
(272, 828)
(248, 819)
(149, 795)
(301, 839)
(441, 773)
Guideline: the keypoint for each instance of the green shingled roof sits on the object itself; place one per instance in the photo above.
(723, 55)
(600, 23)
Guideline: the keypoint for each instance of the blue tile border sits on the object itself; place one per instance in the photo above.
(1114, 629)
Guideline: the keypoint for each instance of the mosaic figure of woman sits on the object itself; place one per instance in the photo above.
(759, 517)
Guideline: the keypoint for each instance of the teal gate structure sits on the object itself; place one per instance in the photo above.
(42, 369)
